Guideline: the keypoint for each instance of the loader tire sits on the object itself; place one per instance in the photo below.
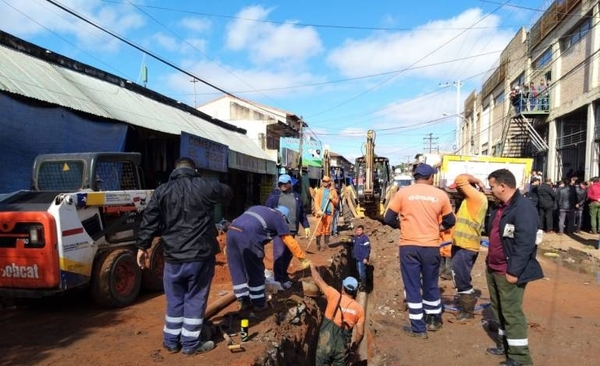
(152, 277)
(116, 279)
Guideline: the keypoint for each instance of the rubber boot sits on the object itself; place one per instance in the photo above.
(446, 268)
(467, 306)
(500, 349)
(319, 243)
(327, 241)
(434, 322)
(362, 287)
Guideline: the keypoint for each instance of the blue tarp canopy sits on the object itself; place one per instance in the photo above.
(27, 131)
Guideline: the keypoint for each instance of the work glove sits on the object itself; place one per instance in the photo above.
(307, 232)
(305, 263)
(319, 213)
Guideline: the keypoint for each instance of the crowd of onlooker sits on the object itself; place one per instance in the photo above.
(568, 206)
(530, 97)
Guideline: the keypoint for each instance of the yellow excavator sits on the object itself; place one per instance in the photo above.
(366, 197)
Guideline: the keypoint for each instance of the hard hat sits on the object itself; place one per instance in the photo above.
(285, 211)
(397, 171)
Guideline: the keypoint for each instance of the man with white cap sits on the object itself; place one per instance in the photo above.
(417, 210)
(342, 314)
(246, 239)
(285, 196)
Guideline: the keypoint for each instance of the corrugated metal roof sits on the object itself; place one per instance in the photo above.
(34, 78)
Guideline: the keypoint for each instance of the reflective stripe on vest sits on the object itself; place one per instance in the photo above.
(467, 232)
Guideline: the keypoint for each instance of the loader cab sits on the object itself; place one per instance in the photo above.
(98, 171)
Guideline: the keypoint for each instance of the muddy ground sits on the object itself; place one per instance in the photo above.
(563, 313)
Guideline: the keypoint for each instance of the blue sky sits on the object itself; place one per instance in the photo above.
(344, 66)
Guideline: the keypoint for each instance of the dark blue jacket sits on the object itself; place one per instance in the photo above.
(519, 247)
(361, 247)
(273, 201)
(181, 212)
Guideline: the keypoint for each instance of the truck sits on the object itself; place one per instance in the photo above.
(480, 166)
(76, 229)
(372, 176)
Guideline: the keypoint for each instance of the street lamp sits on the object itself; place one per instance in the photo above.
(460, 116)
(457, 84)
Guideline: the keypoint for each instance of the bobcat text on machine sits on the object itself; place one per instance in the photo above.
(77, 228)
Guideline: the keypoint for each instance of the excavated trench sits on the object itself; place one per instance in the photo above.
(383, 302)
(299, 349)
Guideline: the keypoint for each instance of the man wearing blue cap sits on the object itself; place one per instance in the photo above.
(419, 207)
(342, 314)
(286, 197)
(246, 239)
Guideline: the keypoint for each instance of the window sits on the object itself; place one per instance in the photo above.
(518, 81)
(499, 98)
(543, 60)
(577, 34)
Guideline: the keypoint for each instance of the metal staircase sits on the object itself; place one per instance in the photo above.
(520, 138)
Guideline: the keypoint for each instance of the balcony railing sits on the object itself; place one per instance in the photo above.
(533, 105)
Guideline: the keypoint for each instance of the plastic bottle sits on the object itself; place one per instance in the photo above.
(244, 330)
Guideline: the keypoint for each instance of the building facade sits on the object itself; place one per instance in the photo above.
(554, 68)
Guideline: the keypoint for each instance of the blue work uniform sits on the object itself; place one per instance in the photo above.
(246, 238)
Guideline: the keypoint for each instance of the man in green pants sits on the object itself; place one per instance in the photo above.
(593, 195)
(511, 264)
(336, 339)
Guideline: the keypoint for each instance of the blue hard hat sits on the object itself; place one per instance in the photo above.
(350, 284)
(285, 211)
(284, 178)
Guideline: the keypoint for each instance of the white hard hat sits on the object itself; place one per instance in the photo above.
(397, 171)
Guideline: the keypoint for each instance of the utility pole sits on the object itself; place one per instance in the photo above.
(300, 143)
(194, 80)
(457, 84)
(429, 142)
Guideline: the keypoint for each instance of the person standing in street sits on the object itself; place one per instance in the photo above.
(420, 207)
(546, 204)
(361, 251)
(336, 212)
(593, 195)
(581, 193)
(181, 213)
(285, 196)
(466, 240)
(246, 239)
(342, 315)
(511, 264)
(532, 192)
(566, 198)
(325, 202)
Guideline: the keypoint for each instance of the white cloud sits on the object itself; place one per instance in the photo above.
(430, 44)
(194, 45)
(269, 43)
(242, 82)
(167, 42)
(30, 18)
(196, 25)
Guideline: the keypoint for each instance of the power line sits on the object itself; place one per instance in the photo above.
(151, 54)
(411, 65)
(429, 140)
(368, 76)
(295, 23)
(170, 30)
